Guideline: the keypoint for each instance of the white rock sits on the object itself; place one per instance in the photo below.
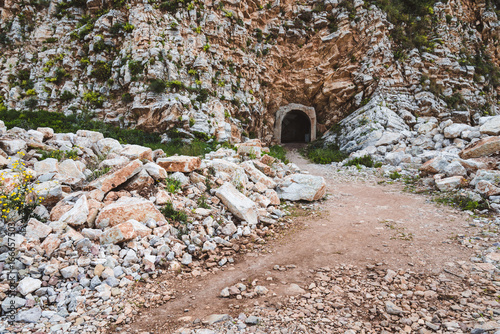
(491, 126)
(298, 187)
(78, 215)
(240, 205)
(28, 285)
(450, 183)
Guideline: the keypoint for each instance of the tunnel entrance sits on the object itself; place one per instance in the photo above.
(296, 128)
(295, 123)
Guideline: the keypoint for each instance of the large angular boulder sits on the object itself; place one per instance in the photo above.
(434, 166)
(137, 152)
(113, 180)
(124, 232)
(155, 171)
(491, 126)
(78, 215)
(221, 165)
(92, 136)
(257, 176)
(181, 163)
(450, 183)
(108, 145)
(239, 205)
(481, 148)
(13, 146)
(49, 165)
(127, 208)
(301, 187)
(36, 230)
(28, 285)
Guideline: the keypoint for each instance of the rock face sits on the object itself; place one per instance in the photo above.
(299, 187)
(181, 163)
(240, 205)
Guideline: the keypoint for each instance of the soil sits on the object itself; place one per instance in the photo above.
(361, 222)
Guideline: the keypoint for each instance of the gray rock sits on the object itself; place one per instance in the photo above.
(392, 309)
(252, 320)
(31, 316)
(186, 259)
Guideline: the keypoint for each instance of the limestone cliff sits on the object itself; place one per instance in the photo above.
(224, 68)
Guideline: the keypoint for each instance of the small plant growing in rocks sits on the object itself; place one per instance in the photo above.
(173, 185)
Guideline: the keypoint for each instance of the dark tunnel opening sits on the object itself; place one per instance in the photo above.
(296, 128)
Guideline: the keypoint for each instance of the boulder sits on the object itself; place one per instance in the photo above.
(491, 176)
(181, 163)
(257, 176)
(455, 168)
(50, 244)
(109, 145)
(487, 188)
(49, 165)
(127, 208)
(299, 187)
(450, 183)
(36, 230)
(140, 181)
(221, 165)
(11, 147)
(72, 169)
(32, 315)
(481, 148)
(28, 285)
(124, 232)
(155, 171)
(93, 136)
(434, 166)
(137, 152)
(239, 205)
(109, 181)
(491, 126)
(78, 215)
(455, 130)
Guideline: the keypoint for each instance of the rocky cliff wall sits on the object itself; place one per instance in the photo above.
(224, 68)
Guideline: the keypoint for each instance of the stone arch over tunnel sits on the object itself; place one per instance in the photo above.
(295, 123)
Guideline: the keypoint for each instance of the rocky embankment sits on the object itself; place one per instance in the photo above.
(110, 215)
(448, 156)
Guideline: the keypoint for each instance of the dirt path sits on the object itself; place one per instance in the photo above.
(360, 223)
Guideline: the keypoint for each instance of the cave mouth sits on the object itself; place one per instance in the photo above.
(296, 127)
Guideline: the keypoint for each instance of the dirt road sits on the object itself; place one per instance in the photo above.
(361, 222)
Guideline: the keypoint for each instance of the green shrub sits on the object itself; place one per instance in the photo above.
(31, 103)
(127, 98)
(59, 154)
(100, 46)
(101, 71)
(135, 67)
(394, 175)
(157, 86)
(461, 201)
(278, 152)
(320, 153)
(365, 160)
(67, 95)
(175, 215)
(50, 40)
(172, 185)
(94, 99)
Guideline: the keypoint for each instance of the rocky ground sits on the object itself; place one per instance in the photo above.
(373, 259)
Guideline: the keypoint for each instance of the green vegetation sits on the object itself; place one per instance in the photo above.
(67, 95)
(59, 155)
(365, 160)
(159, 86)
(394, 175)
(175, 215)
(321, 153)
(135, 67)
(461, 201)
(31, 103)
(278, 152)
(94, 99)
(101, 71)
(414, 22)
(484, 66)
(72, 123)
(202, 202)
(172, 185)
